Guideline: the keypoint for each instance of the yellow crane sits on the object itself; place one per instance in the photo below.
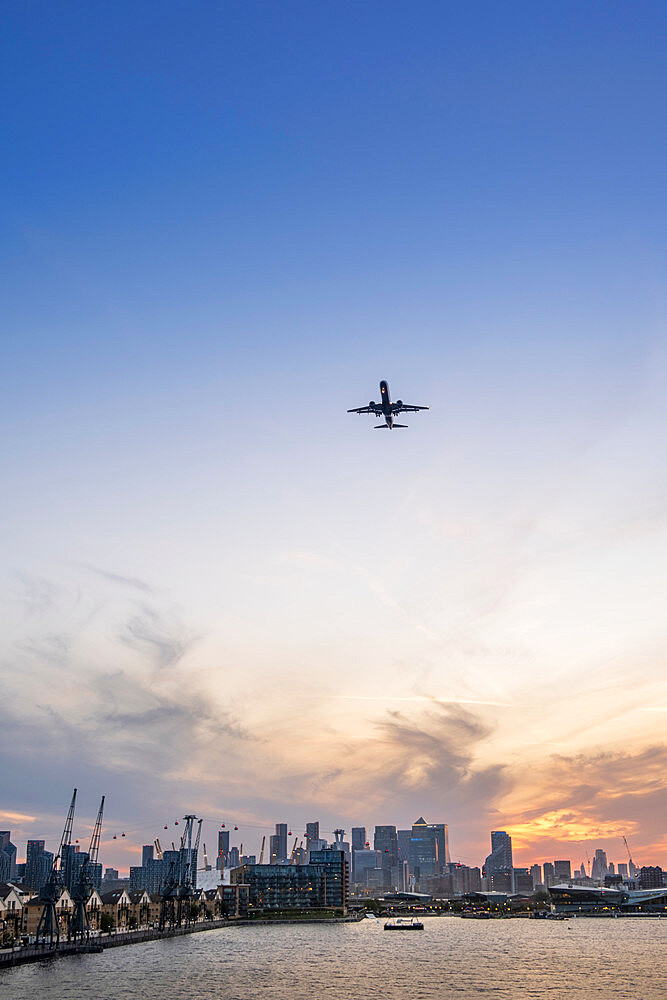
(291, 857)
(158, 849)
(261, 853)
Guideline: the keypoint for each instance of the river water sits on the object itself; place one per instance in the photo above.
(451, 958)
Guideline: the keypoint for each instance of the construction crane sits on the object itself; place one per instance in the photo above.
(206, 867)
(293, 854)
(261, 853)
(633, 866)
(52, 890)
(82, 890)
(158, 849)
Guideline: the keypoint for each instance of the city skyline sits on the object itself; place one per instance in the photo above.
(220, 592)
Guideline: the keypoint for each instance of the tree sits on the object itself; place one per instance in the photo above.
(107, 923)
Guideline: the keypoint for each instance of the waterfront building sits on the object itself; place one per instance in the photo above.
(118, 904)
(321, 883)
(600, 899)
(11, 909)
(33, 908)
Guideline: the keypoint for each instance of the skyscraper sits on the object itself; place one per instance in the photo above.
(223, 850)
(499, 861)
(563, 871)
(549, 874)
(403, 837)
(358, 838)
(312, 831)
(386, 842)
(281, 834)
(428, 848)
(358, 844)
(7, 857)
(599, 868)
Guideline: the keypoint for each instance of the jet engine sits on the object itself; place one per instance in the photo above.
(399, 402)
(372, 404)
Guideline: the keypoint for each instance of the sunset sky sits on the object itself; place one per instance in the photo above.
(223, 224)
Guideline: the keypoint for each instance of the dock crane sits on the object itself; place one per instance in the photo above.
(79, 925)
(47, 927)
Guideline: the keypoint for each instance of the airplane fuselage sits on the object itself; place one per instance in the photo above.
(385, 399)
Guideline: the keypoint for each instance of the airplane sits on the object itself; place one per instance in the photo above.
(387, 409)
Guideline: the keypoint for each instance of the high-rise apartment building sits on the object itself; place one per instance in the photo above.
(536, 875)
(38, 865)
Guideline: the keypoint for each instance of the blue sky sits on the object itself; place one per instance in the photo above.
(222, 225)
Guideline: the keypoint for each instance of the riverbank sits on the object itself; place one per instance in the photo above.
(22, 955)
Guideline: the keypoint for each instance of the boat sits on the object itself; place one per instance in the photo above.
(404, 924)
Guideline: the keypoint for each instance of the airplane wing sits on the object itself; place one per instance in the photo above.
(377, 410)
(401, 407)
